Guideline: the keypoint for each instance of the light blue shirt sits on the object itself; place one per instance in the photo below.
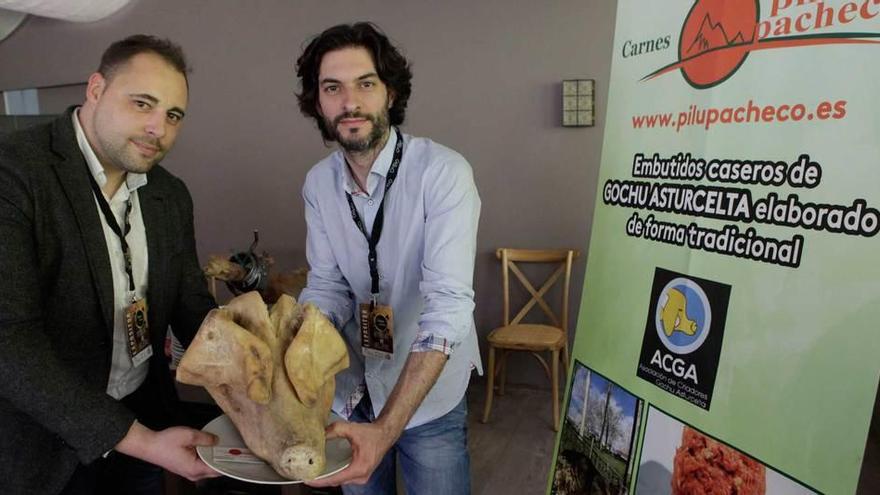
(426, 265)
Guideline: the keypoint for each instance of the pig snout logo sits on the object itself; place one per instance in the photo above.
(684, 316)
(673, 313)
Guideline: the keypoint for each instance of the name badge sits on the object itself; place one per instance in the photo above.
(138, 332)
(377, 331)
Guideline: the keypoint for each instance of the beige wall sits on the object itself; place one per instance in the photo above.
(487, 83)
(56, 99)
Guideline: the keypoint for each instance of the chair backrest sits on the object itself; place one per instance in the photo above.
(560, 258)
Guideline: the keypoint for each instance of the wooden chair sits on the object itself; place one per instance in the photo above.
(535, 338)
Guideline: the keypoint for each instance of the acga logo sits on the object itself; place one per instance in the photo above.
(718, 35)
(684, 316)
(684, 329)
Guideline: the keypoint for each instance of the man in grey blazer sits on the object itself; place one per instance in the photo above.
(98, 259)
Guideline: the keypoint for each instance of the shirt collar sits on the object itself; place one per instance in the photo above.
(132, 180)
(379, 169)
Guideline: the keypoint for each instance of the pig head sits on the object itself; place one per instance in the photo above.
(273, 374)
(674, 314)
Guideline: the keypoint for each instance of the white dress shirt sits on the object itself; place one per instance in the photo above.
(124, 377)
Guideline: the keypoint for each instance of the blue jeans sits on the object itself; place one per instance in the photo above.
(433, 457)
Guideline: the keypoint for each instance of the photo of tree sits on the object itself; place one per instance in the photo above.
(595, 449)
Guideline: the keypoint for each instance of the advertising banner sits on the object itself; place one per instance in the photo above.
(728, 337)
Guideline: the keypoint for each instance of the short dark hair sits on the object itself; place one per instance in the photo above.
(391, 66)
(120, 52)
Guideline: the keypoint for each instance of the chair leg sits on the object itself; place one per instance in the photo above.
(555, 389)
(502, 380)
(490, 386)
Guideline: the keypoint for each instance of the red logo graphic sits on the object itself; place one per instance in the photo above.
(715, 37)
(718, 35)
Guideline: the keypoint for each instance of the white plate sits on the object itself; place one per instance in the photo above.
(337, 452)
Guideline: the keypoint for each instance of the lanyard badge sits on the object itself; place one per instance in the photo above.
(136, 322)
(138, 332)
(377, 321)
(377, 330)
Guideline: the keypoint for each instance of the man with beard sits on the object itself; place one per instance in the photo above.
(392, 224)
(98, 260)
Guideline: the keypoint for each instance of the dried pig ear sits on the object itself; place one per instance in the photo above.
(315, 355)
(224, 353)
(286, 317)
(249, 311)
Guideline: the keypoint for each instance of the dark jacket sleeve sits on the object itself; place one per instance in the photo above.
(34, 380)
(194, 301)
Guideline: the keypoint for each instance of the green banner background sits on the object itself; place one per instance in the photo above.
(798, 369)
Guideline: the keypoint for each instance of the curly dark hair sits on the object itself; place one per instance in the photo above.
(123, 50)
(391, 66)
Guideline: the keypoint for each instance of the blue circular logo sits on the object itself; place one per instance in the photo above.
(683, 316)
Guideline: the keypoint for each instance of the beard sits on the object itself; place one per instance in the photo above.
(352, 143)
(117, 150)
(121, 155)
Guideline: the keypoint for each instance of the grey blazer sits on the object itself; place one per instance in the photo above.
(56, 307)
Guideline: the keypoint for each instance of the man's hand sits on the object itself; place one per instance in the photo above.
(173, 449)
(369, 443)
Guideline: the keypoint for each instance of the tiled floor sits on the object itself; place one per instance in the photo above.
(511, 454)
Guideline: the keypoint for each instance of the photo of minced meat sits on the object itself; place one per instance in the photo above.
(706, 467)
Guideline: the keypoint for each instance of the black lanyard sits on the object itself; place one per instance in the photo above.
(111, 222)
(376, 231)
